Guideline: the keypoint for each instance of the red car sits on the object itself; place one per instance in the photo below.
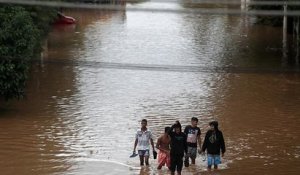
(63, 19)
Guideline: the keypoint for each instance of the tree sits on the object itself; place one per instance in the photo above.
(18, 39)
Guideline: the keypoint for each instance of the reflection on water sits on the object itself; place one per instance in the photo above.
(83, 108)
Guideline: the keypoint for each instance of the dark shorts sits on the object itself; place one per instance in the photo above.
(144, 153)
(176, 162)
(192, 152)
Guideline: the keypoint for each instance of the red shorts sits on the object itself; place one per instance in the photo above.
(163, 159)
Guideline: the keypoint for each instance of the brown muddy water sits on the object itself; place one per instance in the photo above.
(99, 78)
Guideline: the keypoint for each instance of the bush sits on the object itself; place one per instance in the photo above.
(19, 37)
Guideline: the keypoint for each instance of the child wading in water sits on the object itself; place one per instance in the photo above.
(163, 144)
(142, 139)
(178, 148)
(214, 143)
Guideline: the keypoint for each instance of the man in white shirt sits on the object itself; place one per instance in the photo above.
(142, 139)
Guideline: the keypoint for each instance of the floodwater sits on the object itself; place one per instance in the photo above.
(99, 78)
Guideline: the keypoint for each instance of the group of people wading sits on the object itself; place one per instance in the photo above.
(177, 147)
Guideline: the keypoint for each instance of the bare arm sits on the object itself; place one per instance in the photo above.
(199, 141)
(185, 145)
(135, 144)
(152, 143)
(158, 143)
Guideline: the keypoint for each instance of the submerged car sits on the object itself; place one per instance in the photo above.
(63, 19)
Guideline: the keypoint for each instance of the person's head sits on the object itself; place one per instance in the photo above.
(167, 129)
(177, 127)
(214, 125)
(194, 121)
(144, 123)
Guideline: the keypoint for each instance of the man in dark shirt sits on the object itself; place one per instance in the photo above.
(214, 143)
(193, 138)
(178, 148)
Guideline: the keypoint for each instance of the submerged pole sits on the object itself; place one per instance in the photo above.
(297, 24)
(284, 36)
(244, 5)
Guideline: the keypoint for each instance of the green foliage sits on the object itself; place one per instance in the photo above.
(18, 39)
(21, 31)
(18, 34)
(13, 74)
(42, 17)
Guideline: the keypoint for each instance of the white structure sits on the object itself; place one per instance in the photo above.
(244, 4)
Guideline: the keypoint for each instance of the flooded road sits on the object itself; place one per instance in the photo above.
(98, 79)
